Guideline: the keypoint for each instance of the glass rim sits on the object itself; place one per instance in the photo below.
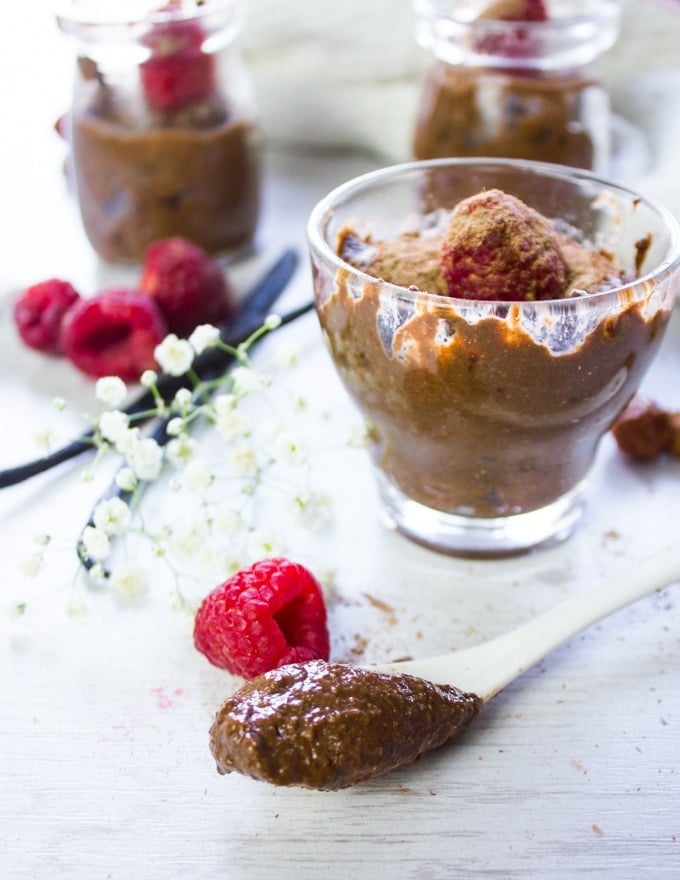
(594, 11)
(100, 13)
(326, 206)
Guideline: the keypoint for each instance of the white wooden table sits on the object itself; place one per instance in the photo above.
(105, 772)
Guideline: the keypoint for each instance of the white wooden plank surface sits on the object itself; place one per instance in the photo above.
(104, 765)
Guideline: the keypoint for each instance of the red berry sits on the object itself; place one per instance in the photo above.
(498, 248)
(511, 42)
(263, 617)
(114, 334)
(515, 10)
(187, 285)
(39, 313)
(178, 73)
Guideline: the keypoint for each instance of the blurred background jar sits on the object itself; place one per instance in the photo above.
(516, 79)
(162, 125)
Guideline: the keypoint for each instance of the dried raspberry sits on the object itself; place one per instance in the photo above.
(515, 10)
(179, 72)
(263, 617)
(189, 288)
(674, 422)
(39, 313)
(643, 430)
(114, 334)
(498, 248)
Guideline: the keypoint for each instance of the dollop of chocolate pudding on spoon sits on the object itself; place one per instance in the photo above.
(330, 725)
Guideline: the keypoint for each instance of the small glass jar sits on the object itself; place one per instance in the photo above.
(519, 90)
(162, 125)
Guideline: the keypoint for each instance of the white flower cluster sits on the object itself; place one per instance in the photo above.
(213, 522)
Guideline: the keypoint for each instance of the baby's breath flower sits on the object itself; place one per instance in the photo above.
(174, 355)
(290, 449)
(32, 564)
(228, 521)
(126, 480)
(182, 400)
(224, 403)
(112, 516)
(211, 557)
(175, 485)
(76, 607)
(232, 424)
(110, 390)
(312, 508)
(244, 459)
(97, 573)
(59, 404)
(149, 378)
(189, 536)
(181, 449)
(263, 543)
(197, 475)
(43, 437)
(286, 356)
(271, 322)
(113, 424)
(42, 539)
(204, 336)
(175, 427)
(146, 459)
(86, 476)
(96, 543)
(245, 380)
(128, 582)
(127, 441)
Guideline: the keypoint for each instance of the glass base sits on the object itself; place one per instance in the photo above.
(482, 537)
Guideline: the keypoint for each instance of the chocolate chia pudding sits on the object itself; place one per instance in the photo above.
(542, 117)
(488, 346)
(329, 725)
(196, 176)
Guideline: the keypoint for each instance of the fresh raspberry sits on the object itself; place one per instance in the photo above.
(265, 616)
(511, 42)
(178, 72)
(188, 286)
(114, 334)
(643, 430)
(39, 313)
(498, 248)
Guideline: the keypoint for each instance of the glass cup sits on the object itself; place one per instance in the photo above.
(484, 417)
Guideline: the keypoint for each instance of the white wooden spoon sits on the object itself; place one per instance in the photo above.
(332, 725)
(487, 668)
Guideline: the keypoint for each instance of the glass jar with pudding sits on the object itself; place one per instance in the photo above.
(516, 79)
(162, 125)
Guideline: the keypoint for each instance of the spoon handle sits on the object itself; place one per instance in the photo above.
(487, 668)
